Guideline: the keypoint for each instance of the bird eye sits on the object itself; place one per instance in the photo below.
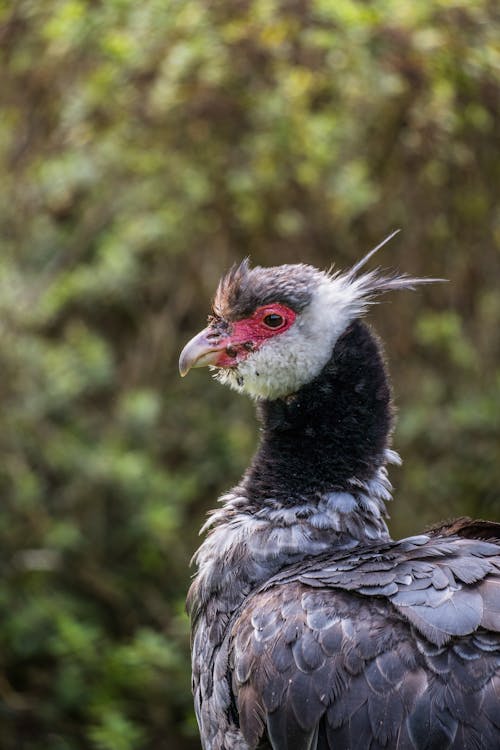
(273, 320)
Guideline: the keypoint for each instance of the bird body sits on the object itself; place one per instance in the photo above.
(311, 628)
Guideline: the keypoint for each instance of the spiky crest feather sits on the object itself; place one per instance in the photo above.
(243, 285)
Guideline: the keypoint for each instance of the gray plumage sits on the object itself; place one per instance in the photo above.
(312, 629)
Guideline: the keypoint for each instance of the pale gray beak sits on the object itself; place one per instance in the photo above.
(202, 350)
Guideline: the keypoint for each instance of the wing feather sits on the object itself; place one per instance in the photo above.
(414, 664)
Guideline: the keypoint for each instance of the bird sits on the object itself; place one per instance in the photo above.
(312, 629)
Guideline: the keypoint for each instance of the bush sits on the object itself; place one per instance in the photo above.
(144, 147)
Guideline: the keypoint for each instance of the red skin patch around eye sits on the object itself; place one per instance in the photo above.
(249, 334)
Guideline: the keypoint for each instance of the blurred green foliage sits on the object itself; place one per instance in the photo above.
(143, 148)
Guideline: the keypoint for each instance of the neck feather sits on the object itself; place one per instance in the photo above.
(330, 436)
(318, 481)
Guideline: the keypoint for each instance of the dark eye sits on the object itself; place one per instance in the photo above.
(273, 320)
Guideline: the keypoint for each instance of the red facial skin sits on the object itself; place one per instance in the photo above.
(249, 334)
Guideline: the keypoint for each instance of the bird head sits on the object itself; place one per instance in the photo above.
(274, 329)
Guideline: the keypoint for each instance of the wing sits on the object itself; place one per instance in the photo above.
(398, 649)
(318, 669)
(444, 586)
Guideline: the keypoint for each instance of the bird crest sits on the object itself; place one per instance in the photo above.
(243, 287)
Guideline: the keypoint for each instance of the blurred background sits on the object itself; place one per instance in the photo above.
(145, 146)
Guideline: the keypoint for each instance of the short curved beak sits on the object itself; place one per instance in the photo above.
(203, 349)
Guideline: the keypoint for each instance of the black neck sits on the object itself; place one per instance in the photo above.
(331, 431)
